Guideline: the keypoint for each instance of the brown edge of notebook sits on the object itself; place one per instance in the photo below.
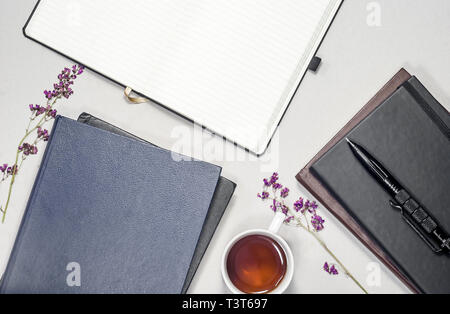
(313, 185)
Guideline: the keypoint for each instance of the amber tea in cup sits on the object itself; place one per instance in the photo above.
(256, 264)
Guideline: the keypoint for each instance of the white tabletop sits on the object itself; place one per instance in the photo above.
(366, 45)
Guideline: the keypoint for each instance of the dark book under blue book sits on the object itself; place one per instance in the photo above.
(109, 214)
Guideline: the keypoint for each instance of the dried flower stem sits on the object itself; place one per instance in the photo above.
(304, 210)
(308, 229)
(14, 174)
(61, 89)
(347, 272)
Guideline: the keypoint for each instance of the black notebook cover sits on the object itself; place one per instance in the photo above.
(123, 214)
(410, 134)
(221, 198)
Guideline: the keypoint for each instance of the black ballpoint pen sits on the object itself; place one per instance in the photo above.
(416, 215)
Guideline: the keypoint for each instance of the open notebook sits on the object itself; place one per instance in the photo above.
(231, 66)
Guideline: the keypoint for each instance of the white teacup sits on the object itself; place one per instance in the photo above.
(271, 232)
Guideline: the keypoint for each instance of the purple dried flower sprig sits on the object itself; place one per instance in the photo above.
(332, 270)
(275, 191)
(7, 171)
(317, 222)
(40, 115)
(303, 214)
(28, 149)
(43, 134)
(66, 79)
(284, 193)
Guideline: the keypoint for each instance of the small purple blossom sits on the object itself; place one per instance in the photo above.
(264, 195)
(43, 134)
(330, 270)
(284, 193)
(277, 186)
(289, 219)
(37, 110)
(28, 149)
(12, 170)
(298, 205)
(275, 205)
(3, 168)
(310, 207)
(8, 170)
(326, 267)
(274, 178)
(317, 223)
(333, 270)
(77, 70)
(48, 94)
(52, 113)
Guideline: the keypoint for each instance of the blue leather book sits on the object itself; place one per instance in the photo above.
(109, 214)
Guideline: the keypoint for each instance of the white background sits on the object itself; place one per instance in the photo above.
(358, 59)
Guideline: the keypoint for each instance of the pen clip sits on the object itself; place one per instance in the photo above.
(396, 205)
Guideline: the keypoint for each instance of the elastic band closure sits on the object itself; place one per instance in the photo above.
(134, 100)
(427, 108)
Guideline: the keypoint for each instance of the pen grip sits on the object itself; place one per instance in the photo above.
(422, 222)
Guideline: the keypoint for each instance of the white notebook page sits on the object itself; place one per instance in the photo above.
(229, 65)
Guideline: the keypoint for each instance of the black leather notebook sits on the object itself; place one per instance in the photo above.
(410, 134)
(221, 198)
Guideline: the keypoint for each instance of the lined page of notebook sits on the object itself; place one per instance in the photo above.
(229, 65)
